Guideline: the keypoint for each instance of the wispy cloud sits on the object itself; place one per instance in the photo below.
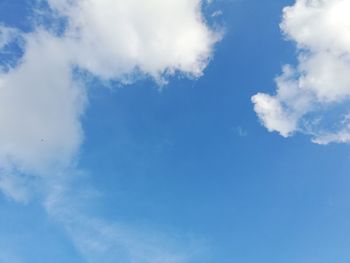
(311, 97)
(99, 240)
(7, 35)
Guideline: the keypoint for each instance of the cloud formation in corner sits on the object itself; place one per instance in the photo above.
(42, 99)
(312, 97)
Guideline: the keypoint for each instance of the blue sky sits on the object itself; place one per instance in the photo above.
(186, 169)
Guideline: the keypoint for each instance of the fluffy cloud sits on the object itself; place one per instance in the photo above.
(40, 108)
(113, 38)
(311, 98)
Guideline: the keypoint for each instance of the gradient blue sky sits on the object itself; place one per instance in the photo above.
(192, 161)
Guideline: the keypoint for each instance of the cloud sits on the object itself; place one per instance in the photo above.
(43, 98)
(41, 105)
(112, 39)
(311, 98)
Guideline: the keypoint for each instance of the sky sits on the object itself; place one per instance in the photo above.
(163, 131)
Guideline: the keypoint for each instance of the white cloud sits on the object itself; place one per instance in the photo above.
(40, 109)
(42, 100)
(273, 115)
(112, 38)
(321, 81)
